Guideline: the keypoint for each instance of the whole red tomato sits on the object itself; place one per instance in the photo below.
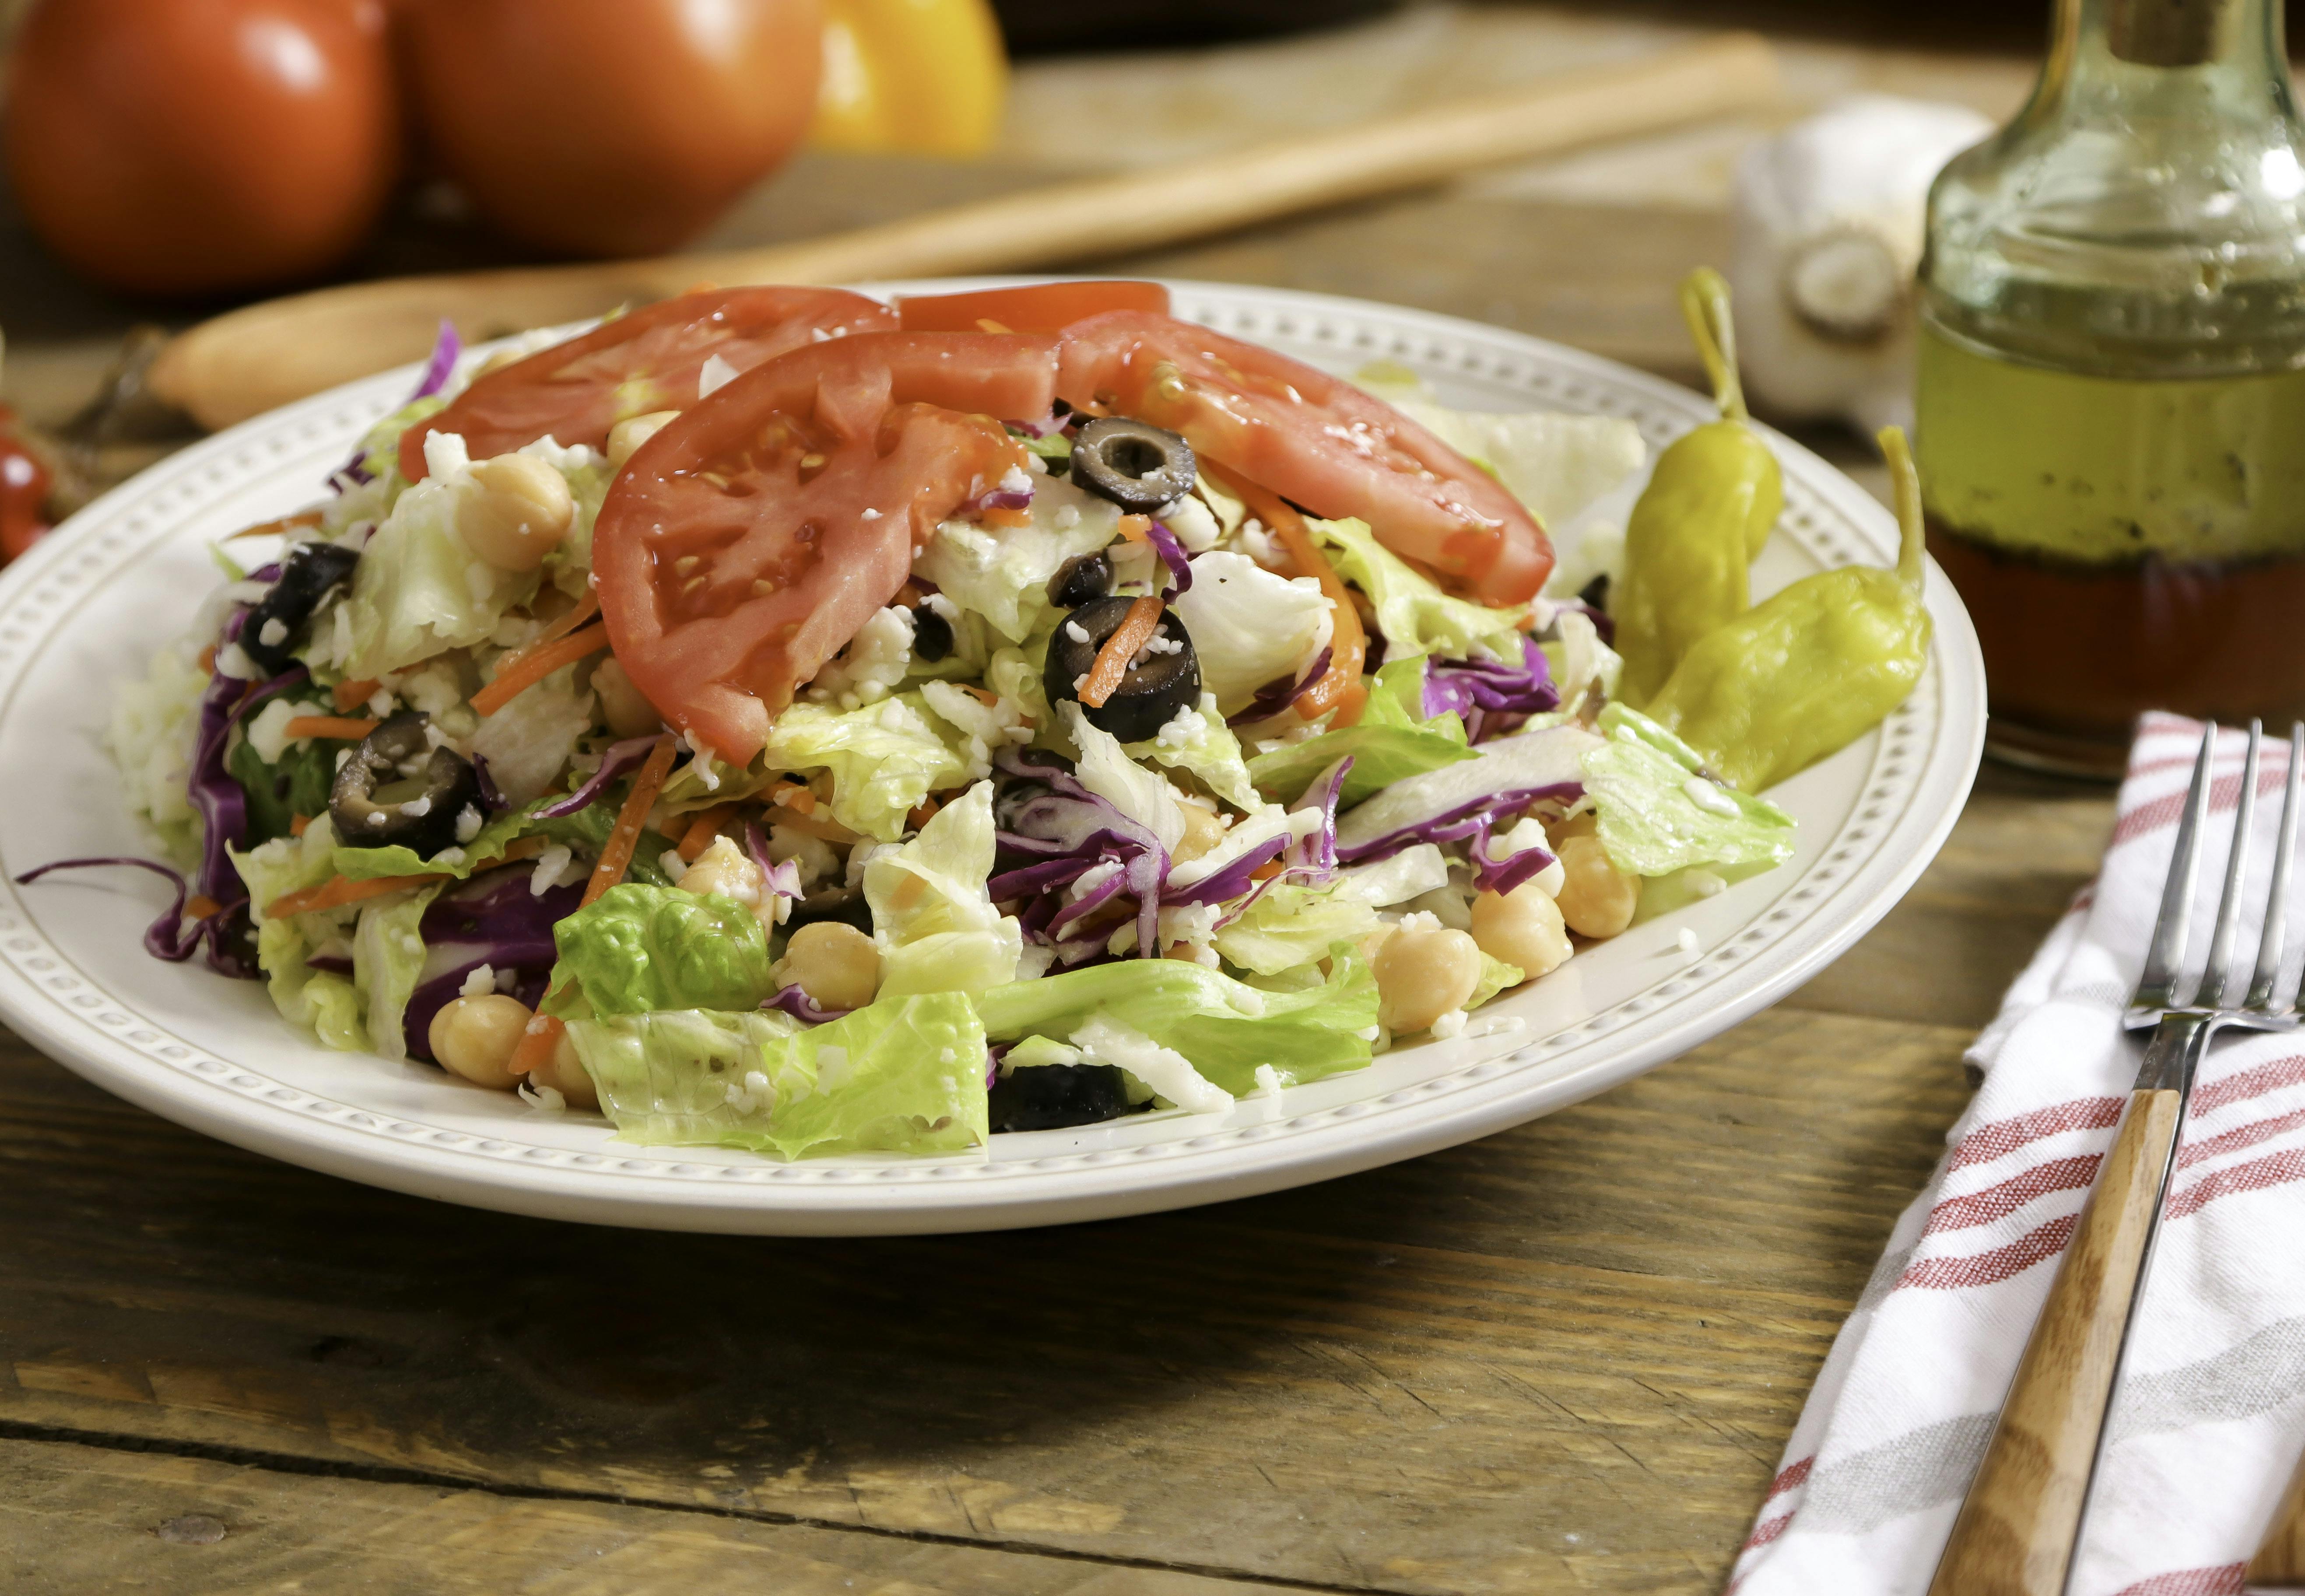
(611, 127)
(190, 146)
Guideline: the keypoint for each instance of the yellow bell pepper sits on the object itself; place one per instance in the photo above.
(925, 77)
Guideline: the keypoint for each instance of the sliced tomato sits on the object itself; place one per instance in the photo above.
(743, 545)
(1035, 308)
(1316, 441)
(647, 359)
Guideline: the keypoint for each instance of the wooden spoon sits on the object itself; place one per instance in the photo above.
(248, 361)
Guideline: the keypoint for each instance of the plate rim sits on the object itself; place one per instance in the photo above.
(655, 1189)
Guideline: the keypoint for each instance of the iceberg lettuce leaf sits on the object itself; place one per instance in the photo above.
(387, 960)
(1413, 613)
(1291, 925)
(1656, 814)
(1226, 1028)
(938, 929)
(884, 758)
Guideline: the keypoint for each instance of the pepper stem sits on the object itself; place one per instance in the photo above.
(1906, 478)
(1705, 306)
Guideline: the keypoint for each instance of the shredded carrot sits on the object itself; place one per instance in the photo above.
(337, 891)
(1339, 687)
(336, 728)
(1267, 870)
(1137, 529)
(986, 324)
(207, 660)
(199, 908)
(616, 855)
(983, 695)
(921, 816)
(819, 826)
(703, 828)
(299, 824)
(1134, 631)
(584, 610)
(796, 798)
(270, 529)
(351, 695)
(537, 1040)
(1005, 517)
(908, 891)
(539, 660)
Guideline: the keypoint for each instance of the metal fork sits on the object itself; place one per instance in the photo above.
(2022, 1520)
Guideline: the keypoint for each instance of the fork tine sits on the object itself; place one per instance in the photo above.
(2217, 975)
(2271, 946)
(2154, 989)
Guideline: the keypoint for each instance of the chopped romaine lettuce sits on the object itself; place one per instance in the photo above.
(1224, 1027)
(1554, 462)
(1249, 626)
(1199, 742)
(884, 758)
(387, 958)
(636, 948)
(584, 832)
(1392, 740)
(1415, 616)
(1291, 925)
(1105, 768)
(938, 929)
(323, 999)
(1002, 573)
(905, 1075)
(1657, 815)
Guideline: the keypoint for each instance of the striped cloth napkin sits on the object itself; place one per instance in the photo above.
(2208, 1422)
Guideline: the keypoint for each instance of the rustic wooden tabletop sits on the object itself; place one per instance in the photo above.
(1562, 1358)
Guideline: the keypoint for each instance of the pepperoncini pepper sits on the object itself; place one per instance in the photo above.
(1816, 667)
(925, 77)
(1701, 521)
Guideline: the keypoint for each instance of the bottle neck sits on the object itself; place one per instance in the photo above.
(2228, 51)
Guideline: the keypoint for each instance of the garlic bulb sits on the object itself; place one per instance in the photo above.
(1830, 216)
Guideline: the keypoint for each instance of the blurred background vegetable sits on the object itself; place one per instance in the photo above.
(926, 76)
(611, 127)
(183, 147)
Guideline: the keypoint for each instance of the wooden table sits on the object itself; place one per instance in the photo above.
(1562, 1358)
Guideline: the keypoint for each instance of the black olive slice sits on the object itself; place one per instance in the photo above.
(932, 635)
(830, 904)
(1137, 465)
(1594, 594)
(1049, 1097)
(1081, 580)
(1154, 688)
(312, 571)
(397, 790)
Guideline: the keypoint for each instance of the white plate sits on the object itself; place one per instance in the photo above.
(86, 606)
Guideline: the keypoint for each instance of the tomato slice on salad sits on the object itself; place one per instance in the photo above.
(1316, 441)
(647, 359)
(1035, 307)
(743, 545)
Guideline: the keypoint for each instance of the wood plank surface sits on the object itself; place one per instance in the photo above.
(77, 1519)
(1484, 1371)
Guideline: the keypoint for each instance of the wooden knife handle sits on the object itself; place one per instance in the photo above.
(2280, 1562)
(2017, 1529)
(232, 367)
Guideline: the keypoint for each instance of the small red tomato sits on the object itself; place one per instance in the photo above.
(183, 146)
(24, 484)
(611, 127)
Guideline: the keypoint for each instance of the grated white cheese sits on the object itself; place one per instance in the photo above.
(714, 374)
(480, 981)
(1169, 1073)
(1687, 940)
(1449, 1025)
(273, 632)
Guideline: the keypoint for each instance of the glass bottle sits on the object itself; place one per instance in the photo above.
(2110, 418)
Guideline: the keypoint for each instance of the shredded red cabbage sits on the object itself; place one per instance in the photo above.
(169, 937)
(999, 499)
(1472, 822)
(619, 757)
(1065, 832)
(494, 920)
(1468, 686)
(1279, 693)
(1172, 555)
(794, 1001)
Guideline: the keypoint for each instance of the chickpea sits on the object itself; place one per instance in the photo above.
(1422, 973)
(516, 512)
(725, 868)
(835, 964)
(627, 437)
(497, 361)
(624, 706)
(1597, 899)
(565, 1073)
(1203, 831)
(475, 1037)
(1523, 928)
(1583, 823)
